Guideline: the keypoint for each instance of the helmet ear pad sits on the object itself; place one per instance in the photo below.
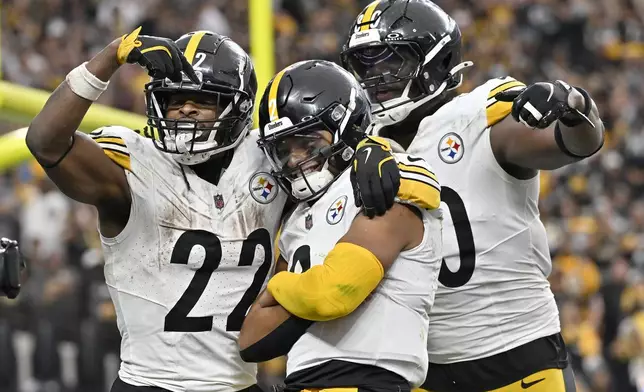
(439, 67)
(243, 105)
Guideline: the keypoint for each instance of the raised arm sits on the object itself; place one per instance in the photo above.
(73, 160)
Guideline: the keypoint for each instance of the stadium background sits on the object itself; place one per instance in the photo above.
(60, 334)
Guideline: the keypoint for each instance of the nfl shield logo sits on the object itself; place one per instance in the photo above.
(308, 222)
(219, 202)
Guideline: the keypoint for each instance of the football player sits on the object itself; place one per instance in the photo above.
(494, 324)
(312, 117)
(187, 216)
(11, 266)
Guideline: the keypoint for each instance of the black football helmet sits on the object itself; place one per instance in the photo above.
(406, 53)
(299, 102)
(227, 79)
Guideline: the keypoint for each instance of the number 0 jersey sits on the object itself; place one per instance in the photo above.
(191, 260)
(493, 293)
(388, 330)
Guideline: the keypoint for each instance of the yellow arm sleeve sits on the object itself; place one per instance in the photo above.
(331, 290)
(498, 110)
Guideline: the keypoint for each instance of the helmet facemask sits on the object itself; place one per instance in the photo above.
(307, 157)
(302, 161)
(194, 141)
(386, 71)
(399, 77)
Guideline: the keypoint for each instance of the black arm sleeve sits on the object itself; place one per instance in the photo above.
(278, 342)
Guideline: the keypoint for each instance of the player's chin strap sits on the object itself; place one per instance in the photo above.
(401, 108)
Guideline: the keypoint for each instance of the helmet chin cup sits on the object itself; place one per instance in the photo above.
(302, 188)
(193, 159)
(182, 140)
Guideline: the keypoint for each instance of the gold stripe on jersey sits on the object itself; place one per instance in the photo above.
(419, 170)
(193, 44)
(497, 110)
(504, 87)
(421, 193)
(109, 140)
(96, 133)
(272, 96)
(118, 157)
(368, 13)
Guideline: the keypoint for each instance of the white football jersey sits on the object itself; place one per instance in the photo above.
(493, 293)
(188, 265)
(389, 329)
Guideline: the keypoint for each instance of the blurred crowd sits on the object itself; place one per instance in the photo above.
(61, 336)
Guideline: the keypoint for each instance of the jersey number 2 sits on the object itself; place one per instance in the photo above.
(464, 239)
(177, 320)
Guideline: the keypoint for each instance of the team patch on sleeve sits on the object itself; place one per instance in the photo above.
(114, 147)
(418, 183)
(496, 110)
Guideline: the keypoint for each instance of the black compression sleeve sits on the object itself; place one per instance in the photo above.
(278, 342)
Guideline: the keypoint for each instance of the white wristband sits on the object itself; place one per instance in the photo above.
(85, 84)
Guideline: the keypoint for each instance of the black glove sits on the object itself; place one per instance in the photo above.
(375, 176)
(160, 56)
(541, 104)
(11, 265)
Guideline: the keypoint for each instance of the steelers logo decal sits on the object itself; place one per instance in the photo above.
(263, 187)
(450, 148)
(336, 211)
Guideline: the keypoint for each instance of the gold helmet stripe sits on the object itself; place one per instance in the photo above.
(272, 96)
(368, 13)
(192, 46)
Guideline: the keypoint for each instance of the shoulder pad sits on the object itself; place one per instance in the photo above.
(418, 183)
(496, 111)
(114, 141)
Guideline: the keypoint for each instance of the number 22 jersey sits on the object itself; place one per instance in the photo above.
(493, 293)
(188, 265)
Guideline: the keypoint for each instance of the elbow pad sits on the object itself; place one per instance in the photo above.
(278, 342)
(331, 290)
